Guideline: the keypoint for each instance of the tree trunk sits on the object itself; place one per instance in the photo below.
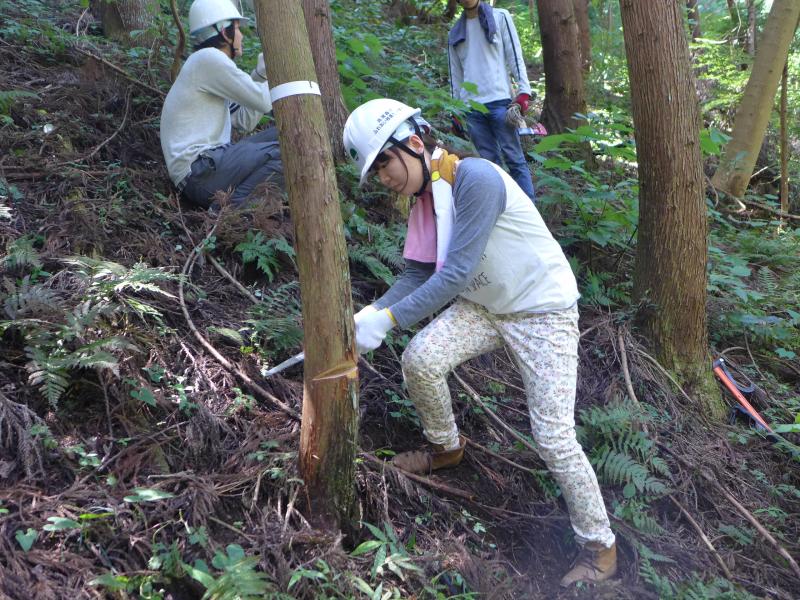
(328, 434)
(564, 93)
(784, 141)
(120, 17)
(318, 22)
(581, 8)
(450, 10)
(752, 117)
(670, 274)
(694, 18)
(752, 29)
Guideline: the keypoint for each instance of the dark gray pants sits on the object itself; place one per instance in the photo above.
(238, 167)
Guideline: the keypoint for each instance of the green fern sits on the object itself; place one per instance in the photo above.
(22, 255)
(60, 341)
(9, 97)
(48, 374)
(377, 247)
(365, 256)
(662, 585)
(30, 300)
(105, 277)
(239, 579)
(717, 589)
(265, 253)
(276, 322)
(767, 281)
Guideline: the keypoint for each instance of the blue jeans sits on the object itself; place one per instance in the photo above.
(237, 168)
(495, 140)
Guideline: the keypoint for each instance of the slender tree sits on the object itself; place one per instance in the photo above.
(330, 394)
(752, 116)
(320, 33)
(694, 18)
(581, 8)
(752, 27)
(561, 56)
(670, 275)
(784, 139)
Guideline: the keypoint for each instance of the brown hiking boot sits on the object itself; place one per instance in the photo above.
(595, 563)
(430, 459)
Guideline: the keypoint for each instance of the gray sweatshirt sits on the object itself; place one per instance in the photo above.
(210, 95)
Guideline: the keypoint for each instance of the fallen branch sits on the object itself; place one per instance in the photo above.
(666, 373)
(627, 375)
(224, 272)
(106, 141)
(703, 537)
(742, 510)
(419, 479)
(114, 67)
(210, 348)
(500, 457)
(514, 433)
(769, 209)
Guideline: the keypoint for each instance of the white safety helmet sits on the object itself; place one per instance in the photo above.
(376, 126)
(208, 17)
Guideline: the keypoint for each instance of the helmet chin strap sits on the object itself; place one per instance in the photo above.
(230, 42)
(426, 175)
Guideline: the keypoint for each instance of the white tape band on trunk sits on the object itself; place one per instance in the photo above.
(293, 88)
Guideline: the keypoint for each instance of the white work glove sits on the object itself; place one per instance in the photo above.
(261, 67)
(368, 309)
(371, 329)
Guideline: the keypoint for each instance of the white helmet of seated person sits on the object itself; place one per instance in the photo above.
(208, 17)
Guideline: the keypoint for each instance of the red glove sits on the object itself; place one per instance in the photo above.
(523, 100)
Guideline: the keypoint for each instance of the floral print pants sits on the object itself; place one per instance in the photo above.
(545, 347)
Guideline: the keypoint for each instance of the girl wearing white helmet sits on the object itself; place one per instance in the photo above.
(476, 242)
(209, 98)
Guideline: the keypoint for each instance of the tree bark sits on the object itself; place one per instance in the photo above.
(581, 8)
(450, 10)
(670, 273)
(752, 29)
(318, 22)
(120, 17)
(564, 93)
(784, 140)
(328, 434)
(694, 18)
(180, 46)
(752, 117)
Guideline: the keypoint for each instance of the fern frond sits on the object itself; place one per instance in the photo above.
(660, 466)
(620, 468)
(31, 301)
(662, 585)
(359, 254)
(48, 374)
(108, 276)
(21, 254)
(9, 97)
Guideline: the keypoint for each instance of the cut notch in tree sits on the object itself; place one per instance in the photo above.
(330, 404)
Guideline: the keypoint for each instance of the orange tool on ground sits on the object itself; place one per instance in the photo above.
(721, 371)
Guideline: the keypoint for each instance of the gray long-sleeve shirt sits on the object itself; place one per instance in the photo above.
(479, 197)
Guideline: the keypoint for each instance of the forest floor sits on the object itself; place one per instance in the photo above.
(160, 456)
